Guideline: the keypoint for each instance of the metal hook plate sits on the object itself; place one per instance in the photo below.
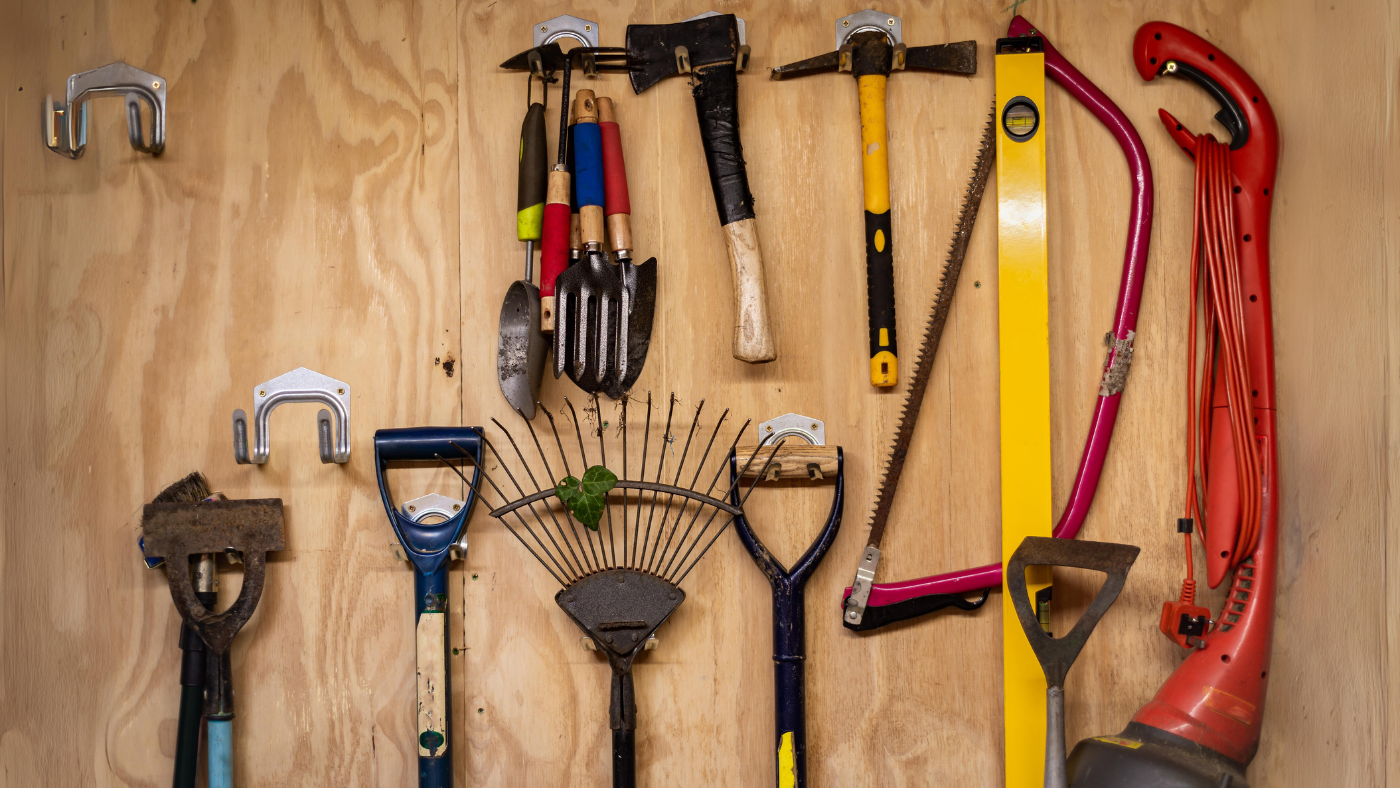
(861, 21)
(66, 134)
(299, 385)
(583, 31)
(794, 425)
(424, 506)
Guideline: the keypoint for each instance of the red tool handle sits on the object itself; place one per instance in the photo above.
(554, 253)
(617, 205)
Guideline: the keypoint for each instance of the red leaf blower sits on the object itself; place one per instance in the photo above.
(1202, 728)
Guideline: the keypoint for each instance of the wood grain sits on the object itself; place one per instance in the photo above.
(338, 192)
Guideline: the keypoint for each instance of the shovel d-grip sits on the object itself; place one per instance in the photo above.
(878, 604)
(1057, 655)
(789, 610)
(1202, 727)
(428, 546)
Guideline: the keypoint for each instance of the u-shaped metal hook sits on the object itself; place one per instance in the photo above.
(299, 385)
(66, 122)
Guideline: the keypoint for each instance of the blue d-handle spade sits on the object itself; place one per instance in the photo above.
(427, 547)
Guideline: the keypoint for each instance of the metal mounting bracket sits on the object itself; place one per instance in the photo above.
(862, 21)
(584, 31)
(743, 60)
(299, 385)
(808, 429)
(66, 122)
(424, 506)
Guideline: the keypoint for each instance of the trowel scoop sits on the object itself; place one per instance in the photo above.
(521, 346)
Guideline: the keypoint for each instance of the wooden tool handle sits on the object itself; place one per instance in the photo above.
(753, 340)
(588, 161)
(617, 204)
(794, 460)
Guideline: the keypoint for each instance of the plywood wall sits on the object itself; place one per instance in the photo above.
(338, 192)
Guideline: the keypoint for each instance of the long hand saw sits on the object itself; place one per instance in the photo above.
(870, 605)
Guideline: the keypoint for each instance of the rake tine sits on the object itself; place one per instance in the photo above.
(642, 475)
(694, 480)
(533, 481)
(695, 517)
(624, 476)
(518, 517)
(685, 452)
(603, 460)
(550, 474)
(583, 453)
(743, 501)
(660, 464)
(511, 476)
(706, 527)
(565, 459)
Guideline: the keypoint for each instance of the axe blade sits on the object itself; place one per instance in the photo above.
(651, 49)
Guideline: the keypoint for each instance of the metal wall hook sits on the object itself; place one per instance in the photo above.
(299, 385)
(66, 122)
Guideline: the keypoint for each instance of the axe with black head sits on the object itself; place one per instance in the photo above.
(711, 50)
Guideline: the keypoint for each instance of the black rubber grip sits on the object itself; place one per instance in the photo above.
(716, 91)
(884, 615)
(187, 736)
(879, 281)
(534, 159)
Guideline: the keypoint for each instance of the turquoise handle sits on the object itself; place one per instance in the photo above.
(221, 754)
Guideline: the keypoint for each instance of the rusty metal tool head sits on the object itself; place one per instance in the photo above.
(1057, 655)
(176, 531)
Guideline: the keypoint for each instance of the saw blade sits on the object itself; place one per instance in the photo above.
(933, 333)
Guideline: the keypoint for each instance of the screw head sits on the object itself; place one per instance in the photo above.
(544, 28)
(412, 509)
(769, 428)
(845, 23)
(890, 21)
(262, 393)
(814, 425)
(456, 507)
(340, 391)
(634, 637)
(156, 84)
(588, 28)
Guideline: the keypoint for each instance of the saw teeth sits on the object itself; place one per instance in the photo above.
(933, 331)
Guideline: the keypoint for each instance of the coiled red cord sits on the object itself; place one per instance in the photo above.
(1215, 282)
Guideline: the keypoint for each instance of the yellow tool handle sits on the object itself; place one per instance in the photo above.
(879, 239)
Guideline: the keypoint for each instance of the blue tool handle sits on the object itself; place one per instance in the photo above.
(221, 754)
(434, 673)
(423, 444)
(588, 163)
(791, 732)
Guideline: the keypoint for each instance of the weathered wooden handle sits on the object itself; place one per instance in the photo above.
(753, 339)
(794, 460)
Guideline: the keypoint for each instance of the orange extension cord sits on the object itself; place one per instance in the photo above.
(1215, 280)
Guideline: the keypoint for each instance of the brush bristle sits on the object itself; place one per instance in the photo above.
(191, 489)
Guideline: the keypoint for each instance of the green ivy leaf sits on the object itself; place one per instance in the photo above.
(586, 499)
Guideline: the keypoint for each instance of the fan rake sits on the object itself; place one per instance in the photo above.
(618, 597)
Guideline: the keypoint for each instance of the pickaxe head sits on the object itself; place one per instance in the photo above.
(869, 42)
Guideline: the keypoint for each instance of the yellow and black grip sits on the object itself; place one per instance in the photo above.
(871, 67)
(534, 173)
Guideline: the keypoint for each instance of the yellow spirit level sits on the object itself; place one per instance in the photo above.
(1023, 305)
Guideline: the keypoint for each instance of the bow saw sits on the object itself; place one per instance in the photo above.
(870, 605)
